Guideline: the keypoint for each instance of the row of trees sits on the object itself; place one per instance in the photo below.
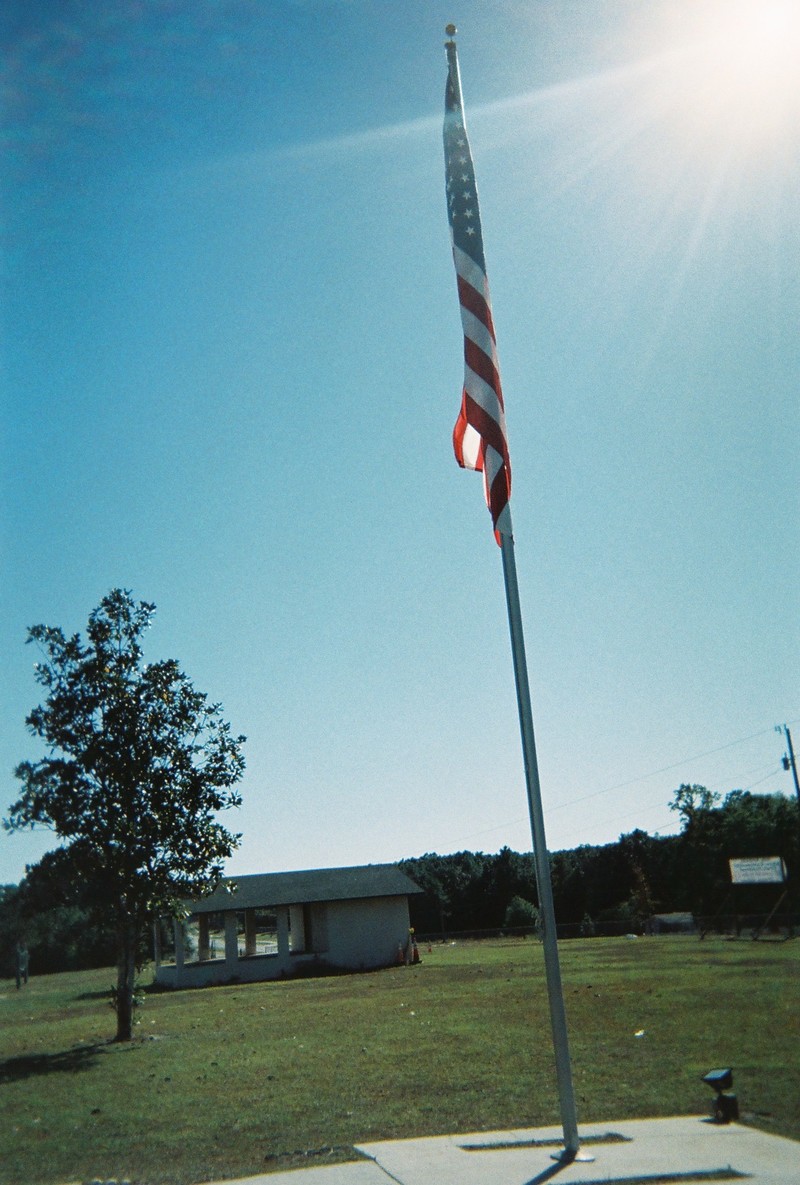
(624, 882)
(619, 884)
(52, 916)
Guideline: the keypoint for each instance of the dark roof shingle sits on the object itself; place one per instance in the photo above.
(300, 888)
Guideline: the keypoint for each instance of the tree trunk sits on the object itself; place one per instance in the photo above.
(126, 979)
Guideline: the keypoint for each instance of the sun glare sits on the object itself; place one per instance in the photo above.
(747, 58)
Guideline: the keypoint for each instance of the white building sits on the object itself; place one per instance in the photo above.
(283, 924)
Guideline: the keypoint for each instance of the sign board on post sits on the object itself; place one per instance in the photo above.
(761, 870)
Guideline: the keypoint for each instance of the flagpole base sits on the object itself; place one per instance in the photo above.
(565, 1156)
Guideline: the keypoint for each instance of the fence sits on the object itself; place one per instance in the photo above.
(733, 925)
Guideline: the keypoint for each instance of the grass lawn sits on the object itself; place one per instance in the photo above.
(234, 1081)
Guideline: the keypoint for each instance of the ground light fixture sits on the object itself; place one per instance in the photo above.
(725, 1108)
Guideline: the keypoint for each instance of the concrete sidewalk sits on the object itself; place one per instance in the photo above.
(682, 1150)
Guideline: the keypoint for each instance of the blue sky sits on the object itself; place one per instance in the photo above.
(232, 363)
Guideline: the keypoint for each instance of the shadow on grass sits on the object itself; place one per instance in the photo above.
(32, 1065)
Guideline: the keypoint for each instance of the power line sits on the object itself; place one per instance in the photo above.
(664, 769)
(639, 812)
(773, 774)
(551, 810)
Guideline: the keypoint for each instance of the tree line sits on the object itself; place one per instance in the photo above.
(616, 886)
(623, 884)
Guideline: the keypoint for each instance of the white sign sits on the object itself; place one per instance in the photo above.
(763, 870)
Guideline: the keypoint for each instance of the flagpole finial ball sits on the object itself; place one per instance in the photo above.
(450, 30)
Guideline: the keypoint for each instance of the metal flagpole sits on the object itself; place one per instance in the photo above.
(558, 1019)
(479, 442)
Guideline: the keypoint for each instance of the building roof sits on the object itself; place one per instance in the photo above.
(300, 888)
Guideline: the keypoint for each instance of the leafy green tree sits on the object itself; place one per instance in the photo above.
(693, 804)
(55, 917)
(450, 884)
(12, 927)
(761, 825)
(430, 911)
(568, 876)
(521, 915)
(139, 764)
(505, 875)
(635, 847)
(744, 824)
(701, 861)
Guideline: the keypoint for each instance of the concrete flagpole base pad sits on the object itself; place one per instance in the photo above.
(684, 1150)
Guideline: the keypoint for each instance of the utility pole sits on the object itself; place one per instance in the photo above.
(789, 762)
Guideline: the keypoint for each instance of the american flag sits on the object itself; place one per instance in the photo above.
(479, 437)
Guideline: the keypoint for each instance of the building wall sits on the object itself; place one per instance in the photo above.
(366, 934)
(339, 935)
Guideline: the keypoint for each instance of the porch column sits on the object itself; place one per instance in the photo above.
(231, 942)
(282, 920)
(203, 952)
(180, 940)
(249, 931)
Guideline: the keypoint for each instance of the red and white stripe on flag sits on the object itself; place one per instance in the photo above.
(479, 436)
